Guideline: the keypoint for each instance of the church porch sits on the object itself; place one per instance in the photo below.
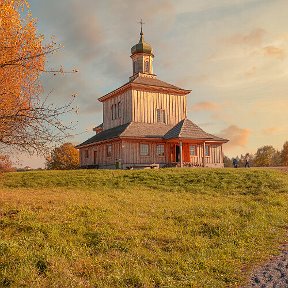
(185, 153)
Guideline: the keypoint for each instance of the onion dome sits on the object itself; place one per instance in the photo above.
(142, 46)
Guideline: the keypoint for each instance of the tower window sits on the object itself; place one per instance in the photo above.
(115, 111)
(161, 116)
(134, 67)
(147, 66)
(119, 110)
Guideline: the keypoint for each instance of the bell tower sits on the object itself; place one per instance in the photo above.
(142, 56)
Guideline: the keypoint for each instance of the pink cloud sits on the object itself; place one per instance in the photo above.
(237, 136)
(208, 106)
(254, 38)
(271, 130)
(272, 51)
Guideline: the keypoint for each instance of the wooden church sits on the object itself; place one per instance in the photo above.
(145, 125)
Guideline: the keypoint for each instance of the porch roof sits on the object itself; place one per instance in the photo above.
(186, 129)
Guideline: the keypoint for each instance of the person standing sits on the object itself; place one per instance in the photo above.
(235, 163)
(247, 164)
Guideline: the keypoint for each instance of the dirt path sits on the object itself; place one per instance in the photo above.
(274, 274)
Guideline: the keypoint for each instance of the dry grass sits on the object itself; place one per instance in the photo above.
(166, 228)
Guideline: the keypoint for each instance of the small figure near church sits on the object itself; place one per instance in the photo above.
(235, 163)
(247, 164)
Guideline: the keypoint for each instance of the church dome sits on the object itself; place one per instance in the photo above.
(142, 46)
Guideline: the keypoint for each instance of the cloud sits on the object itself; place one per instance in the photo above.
(208, 106)
(253, 38)
(237, 136)
(271, 130)
(272, 51)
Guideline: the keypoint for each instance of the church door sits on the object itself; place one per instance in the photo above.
(177, 151)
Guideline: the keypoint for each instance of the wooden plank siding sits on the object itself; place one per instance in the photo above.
(128, 153)
(145, 105)
(101, 154)
(131, 153)
(126, 110)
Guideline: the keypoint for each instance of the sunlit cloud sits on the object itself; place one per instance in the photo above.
(273, 51)
(271, 130)
(253, 38)
(207, 106)
(237, 136)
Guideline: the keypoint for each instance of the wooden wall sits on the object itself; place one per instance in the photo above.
(144, 105)
(126, 110)
(129, 153)
(101, 154)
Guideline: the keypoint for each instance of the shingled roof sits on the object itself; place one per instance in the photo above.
(145, 81)
(105, 135)
(188, 130)
(155, 82)
(184, 129)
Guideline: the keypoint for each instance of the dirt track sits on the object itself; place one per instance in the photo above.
(274, 274)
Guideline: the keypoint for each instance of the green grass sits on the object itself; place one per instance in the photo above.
(152, 228)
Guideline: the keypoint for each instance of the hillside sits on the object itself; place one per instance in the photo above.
(152, 228)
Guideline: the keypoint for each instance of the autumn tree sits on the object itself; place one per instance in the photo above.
(264, 156)
(64, 157)
(284, 154)
(227, 161)
(5, 163)
(27, 121)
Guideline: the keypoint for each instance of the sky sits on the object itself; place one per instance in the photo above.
(232, 54)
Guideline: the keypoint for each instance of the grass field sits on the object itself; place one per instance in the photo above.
(156, 228)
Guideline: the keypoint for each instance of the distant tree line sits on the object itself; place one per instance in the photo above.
(266, 156)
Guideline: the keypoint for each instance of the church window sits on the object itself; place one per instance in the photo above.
(192, 149)
(86, 153)
(160, 150)
(147, 66)
(112, 111)
(207, 151)
(109, 150)
(134, 67)
(119, 110)
(161, 116)
(144, 149)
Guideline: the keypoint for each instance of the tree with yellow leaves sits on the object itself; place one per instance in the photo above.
(27, 122)
(5, 164)
(65, 157)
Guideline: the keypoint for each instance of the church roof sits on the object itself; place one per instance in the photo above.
(147, 82)
(185, 129)
(188, 130)
(155, 82)
(105, 135)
